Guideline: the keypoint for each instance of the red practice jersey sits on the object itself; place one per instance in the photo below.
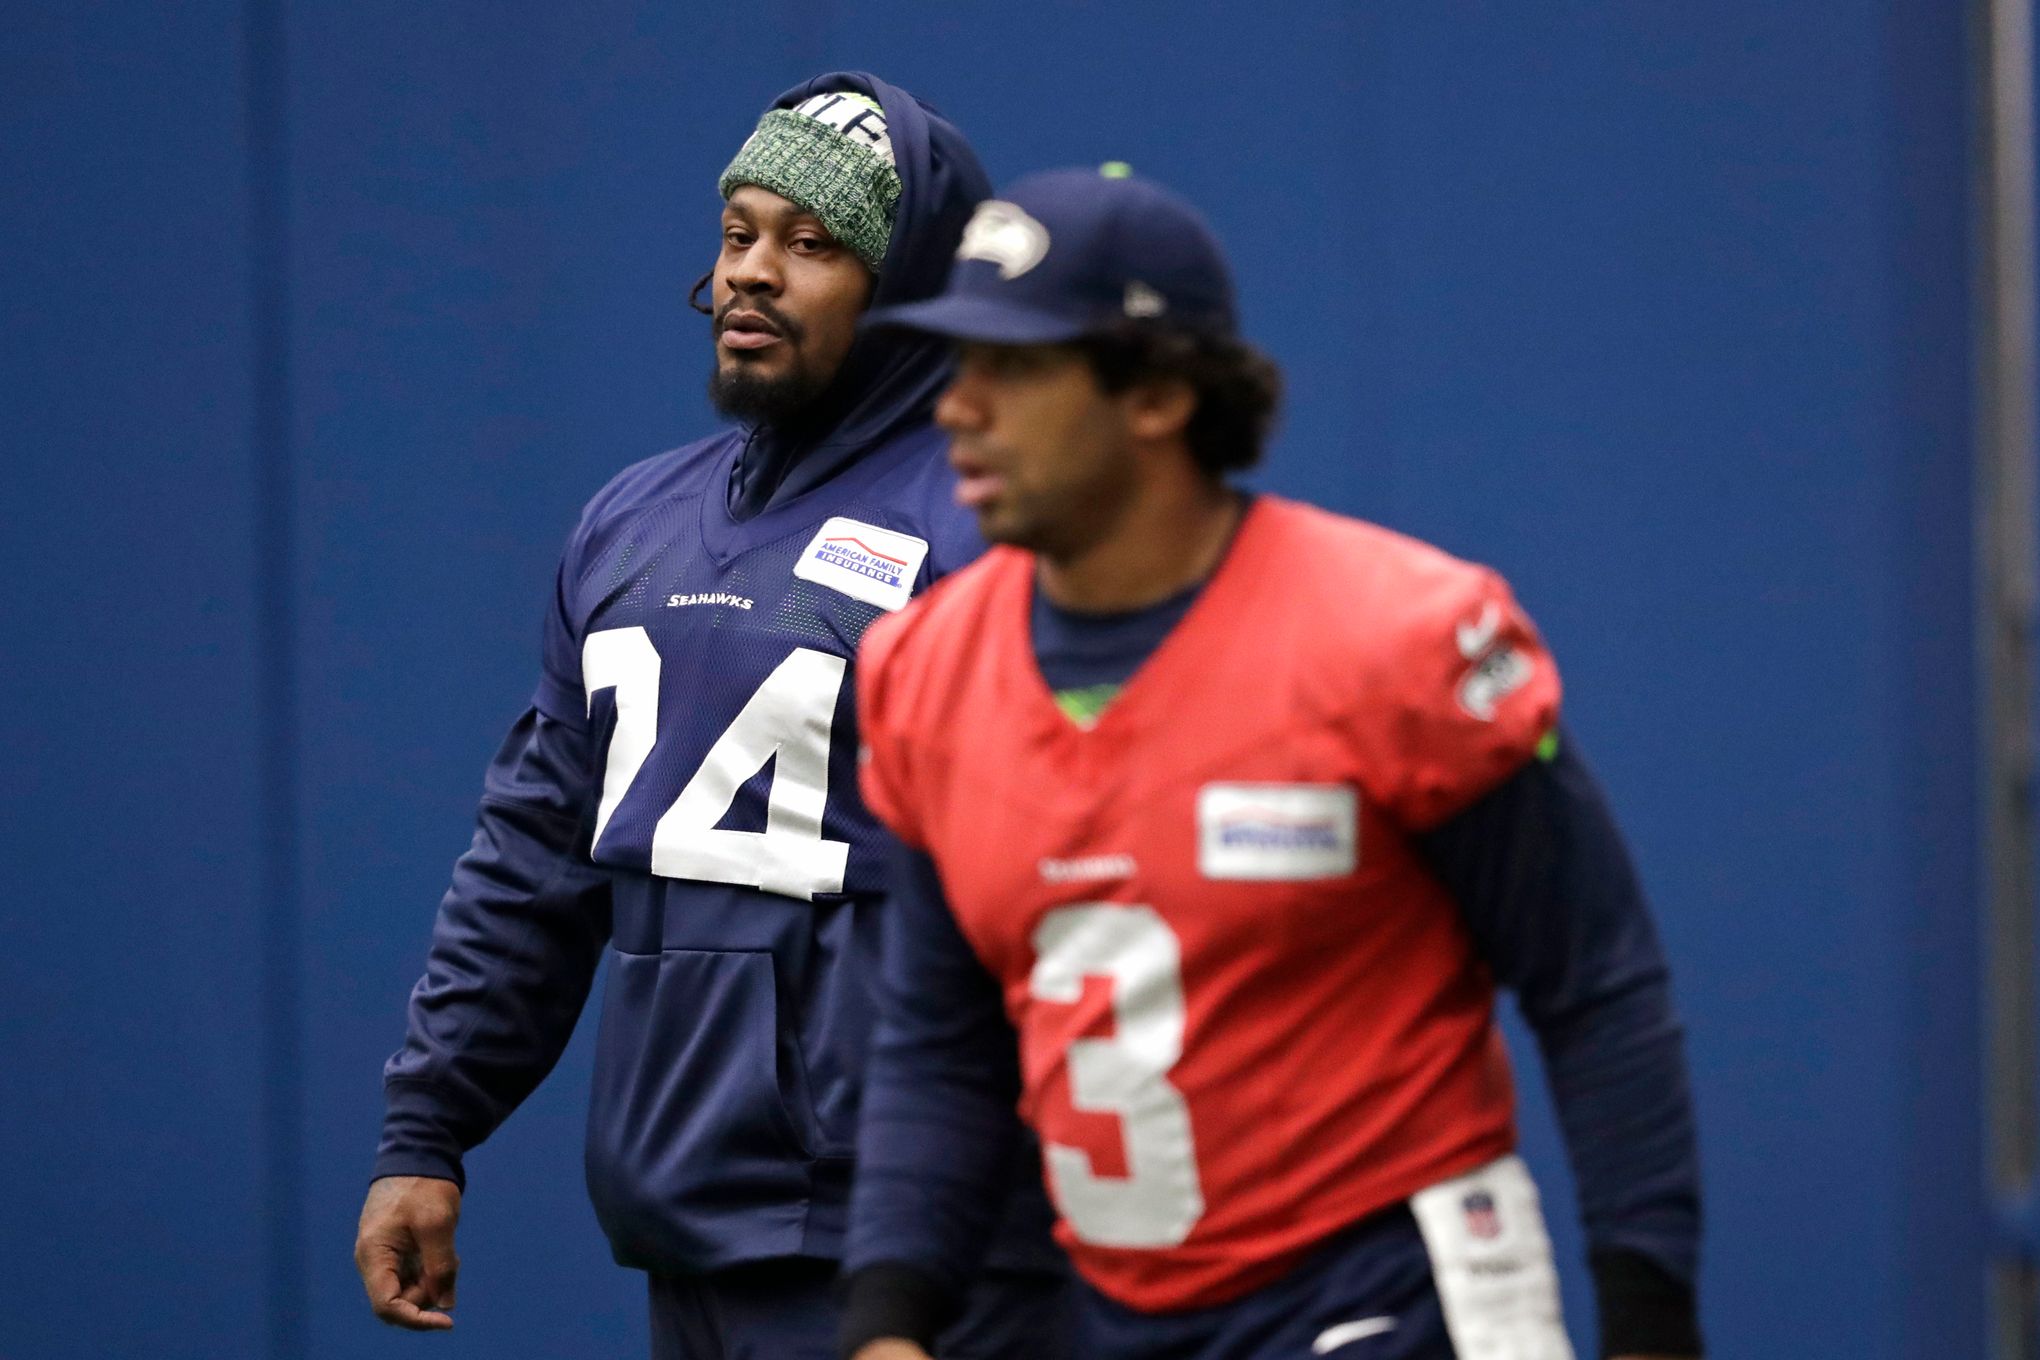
(1248, 1015)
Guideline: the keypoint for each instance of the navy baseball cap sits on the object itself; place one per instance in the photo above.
(1065, 253)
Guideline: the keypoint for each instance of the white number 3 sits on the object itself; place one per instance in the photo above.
(789, 716)
(1160, 1199)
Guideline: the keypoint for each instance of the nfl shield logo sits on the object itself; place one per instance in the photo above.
(1481, 1219)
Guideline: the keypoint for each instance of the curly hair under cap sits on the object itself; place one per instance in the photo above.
(1239, 389)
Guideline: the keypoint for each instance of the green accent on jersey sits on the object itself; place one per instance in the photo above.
(1115, 170)
(1083, 704)
(1547, 746)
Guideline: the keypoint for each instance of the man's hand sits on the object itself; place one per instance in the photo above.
(404, 1250)
(890, 1348)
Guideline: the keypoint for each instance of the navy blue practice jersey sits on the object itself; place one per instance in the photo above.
(711, 663)
(716, 655)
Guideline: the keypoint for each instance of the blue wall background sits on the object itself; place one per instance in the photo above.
(322, 320)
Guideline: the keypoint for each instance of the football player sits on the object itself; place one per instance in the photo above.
(1220, 819)
(681, 798)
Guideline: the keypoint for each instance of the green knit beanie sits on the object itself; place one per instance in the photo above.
(833, 156)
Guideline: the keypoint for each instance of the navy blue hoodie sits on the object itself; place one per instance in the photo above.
(681, 797)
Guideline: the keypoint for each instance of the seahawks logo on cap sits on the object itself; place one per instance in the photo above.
(1002, 234)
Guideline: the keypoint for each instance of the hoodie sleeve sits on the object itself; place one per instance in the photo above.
(517, 939)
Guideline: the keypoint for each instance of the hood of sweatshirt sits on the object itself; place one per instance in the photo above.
(889, 381)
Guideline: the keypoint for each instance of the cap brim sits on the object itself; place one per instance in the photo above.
(986, 320)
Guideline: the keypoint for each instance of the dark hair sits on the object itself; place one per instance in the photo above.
(1238, 388)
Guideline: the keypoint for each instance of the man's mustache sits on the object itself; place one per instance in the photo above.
(787, 327)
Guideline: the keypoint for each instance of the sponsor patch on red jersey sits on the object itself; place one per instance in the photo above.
(1272, 832)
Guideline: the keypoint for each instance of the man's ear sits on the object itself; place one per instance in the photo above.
(1159, 409)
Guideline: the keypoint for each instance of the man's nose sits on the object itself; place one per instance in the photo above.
(961, 405)
(759, 269)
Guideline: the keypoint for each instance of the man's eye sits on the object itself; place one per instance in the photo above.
(809, 245)
(1009, 361)
(736, 236)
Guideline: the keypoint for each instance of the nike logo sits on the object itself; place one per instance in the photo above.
(1475, 638)
(1346, 1333)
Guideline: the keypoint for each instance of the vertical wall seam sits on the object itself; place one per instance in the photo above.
(2006, 544)
(266, 132)
(1930, 183)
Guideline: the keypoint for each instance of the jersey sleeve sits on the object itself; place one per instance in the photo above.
(885, 761)
(1467, 690)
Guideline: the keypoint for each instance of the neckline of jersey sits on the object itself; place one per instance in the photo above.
(1231, 576)
(725, 538)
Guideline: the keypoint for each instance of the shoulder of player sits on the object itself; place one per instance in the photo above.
(660, 477)
(647, 483)
(1383, 591)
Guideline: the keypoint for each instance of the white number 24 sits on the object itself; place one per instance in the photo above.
(789, 716)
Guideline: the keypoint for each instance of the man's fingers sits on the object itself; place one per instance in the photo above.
(428, 1292)
(398, 1304)
(404, 1251)
(440, 1269)
(380, 1279)
(401, 1312)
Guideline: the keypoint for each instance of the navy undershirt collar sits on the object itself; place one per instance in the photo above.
(1077, 650)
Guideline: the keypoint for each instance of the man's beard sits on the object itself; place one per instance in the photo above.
(745, 395)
